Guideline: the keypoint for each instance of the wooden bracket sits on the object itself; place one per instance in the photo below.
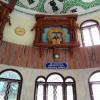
(33, 27)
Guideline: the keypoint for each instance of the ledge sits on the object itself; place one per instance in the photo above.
(18, 55)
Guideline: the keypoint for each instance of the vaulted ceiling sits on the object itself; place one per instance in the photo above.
(57, 6)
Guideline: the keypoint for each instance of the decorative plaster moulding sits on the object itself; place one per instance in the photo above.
(57, 6)
(88, 1)
(20, 31)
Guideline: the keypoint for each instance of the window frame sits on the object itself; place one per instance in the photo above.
(73, 86)
(89, 28)
(13, 80)
(64, 84)
(91, 83)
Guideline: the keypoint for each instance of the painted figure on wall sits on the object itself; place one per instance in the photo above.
(57, 38)
(56, 35)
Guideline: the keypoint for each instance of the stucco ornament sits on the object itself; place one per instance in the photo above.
(53, 6)
(29, 3)
(19, 31)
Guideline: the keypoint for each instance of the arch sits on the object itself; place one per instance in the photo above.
(70, 88)
(51, 75)
(94, 22)
(10, 84)
(40, 79)
(69, 79)
(13, 70)
(94, 85)
(95, 76)
(90, 33)
(54, 86)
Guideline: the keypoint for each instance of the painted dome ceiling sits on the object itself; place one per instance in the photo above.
(57, 6)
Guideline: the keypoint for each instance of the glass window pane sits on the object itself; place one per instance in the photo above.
(3, 89)
(95, 35)
(59, 93)
(10, 75)
(50, 93)
(13, 91)
(40, 92)
(69, 92)
(41, 79)
(88, 23)
(69, 80)
(95, 77)
(9, 87)
(96, 91)
(55, 78)
(86, 37)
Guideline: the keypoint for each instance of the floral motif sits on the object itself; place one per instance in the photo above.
(57, 6)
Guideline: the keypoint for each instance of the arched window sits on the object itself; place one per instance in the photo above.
(94, 84)
(90, 33)
(70, 88)
(40, 88)
(55, 87)
(10, 85)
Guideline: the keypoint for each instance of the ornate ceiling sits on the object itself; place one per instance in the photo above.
(57, 6)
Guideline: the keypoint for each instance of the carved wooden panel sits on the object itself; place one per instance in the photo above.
(17, 55)
(5, 9)
(66, 21)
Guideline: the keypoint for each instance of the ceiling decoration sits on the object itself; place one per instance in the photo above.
(53, 6)
(28, 4)
(88, 0)
(57, 6)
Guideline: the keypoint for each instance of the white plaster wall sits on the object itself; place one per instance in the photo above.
(29, 75)
(22, 20)
(94, 15)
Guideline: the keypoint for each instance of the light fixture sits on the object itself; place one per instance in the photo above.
(56, 56)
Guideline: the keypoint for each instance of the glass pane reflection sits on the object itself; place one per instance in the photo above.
(69, 92)
(40, 92)
(87, 38)
(50, 93)
(3, 88)
(13, 91)
(96, 91)
(59, 93)
(10, 75)
(95, 35)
